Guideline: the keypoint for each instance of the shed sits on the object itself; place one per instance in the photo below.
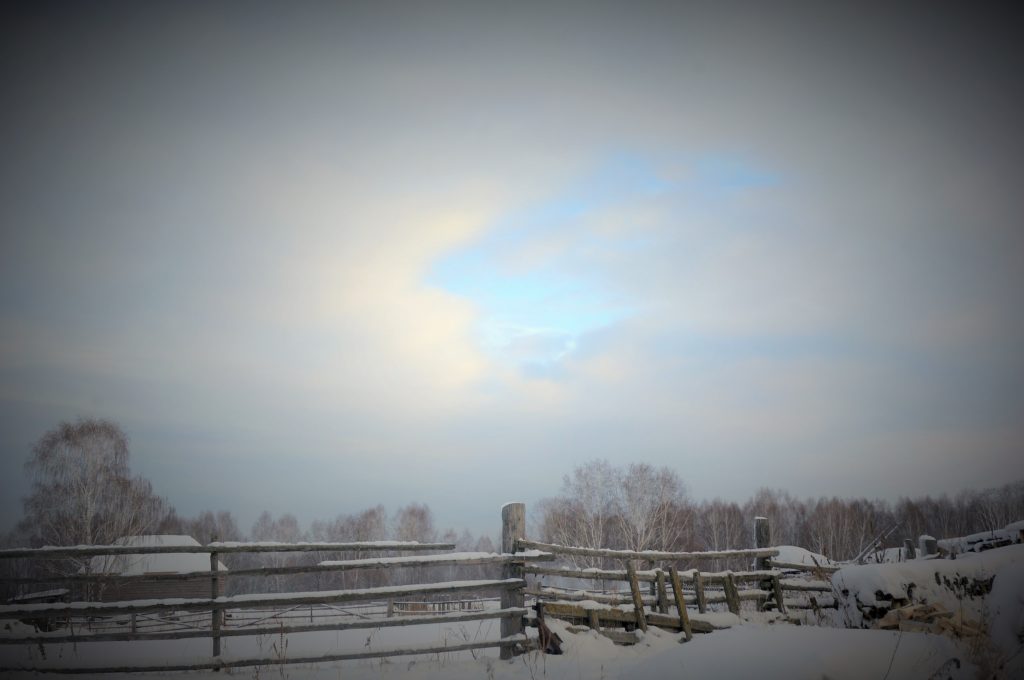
(116, 588)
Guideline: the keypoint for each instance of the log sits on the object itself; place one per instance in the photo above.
(654, 555)
(53, 552)
(250, 601)
(662, 595)
(698, 589)
(677, 591)
(513, 531)
(762, 539)
(732, 597)
(638, 603)
(270, 630)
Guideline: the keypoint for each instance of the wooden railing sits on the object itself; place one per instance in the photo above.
(670, 590)
(209, 614)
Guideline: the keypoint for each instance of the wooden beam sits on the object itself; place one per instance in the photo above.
(250, 601)
(513, 531)
(677, 592)
(638, 603)
(271, 630)
(53, 552)
(648, 554)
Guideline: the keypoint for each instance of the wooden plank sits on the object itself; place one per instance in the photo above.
(49, 552)
(648, 554)
(518, 640)
(638, 603)
(246, 631)
(572, 610)
(592, 574)
(677, 592)
(583, 595)
(251, 601)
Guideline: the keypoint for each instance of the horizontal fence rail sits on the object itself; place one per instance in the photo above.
(221, 548)
(650, 555)
(218, 617)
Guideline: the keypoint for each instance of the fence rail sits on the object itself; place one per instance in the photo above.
(209, 616)
(669, 594)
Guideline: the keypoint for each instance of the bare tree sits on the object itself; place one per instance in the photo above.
(83, 491)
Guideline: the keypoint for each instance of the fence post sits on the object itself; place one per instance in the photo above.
(762, 539)
(780, 602)
(698, 589)
(677, 591)
(638, 602)
(513, 528)
(908, 547)
(732, 597)
(214, 594)
(662, 595)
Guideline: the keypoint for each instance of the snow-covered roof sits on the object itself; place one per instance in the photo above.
(793, 554)
(159, 563)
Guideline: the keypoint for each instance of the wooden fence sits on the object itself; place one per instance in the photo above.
(206, 617)
(670, 592)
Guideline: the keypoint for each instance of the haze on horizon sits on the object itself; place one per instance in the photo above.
(321, 257)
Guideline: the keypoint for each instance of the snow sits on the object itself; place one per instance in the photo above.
(154, 563)
(957, 585)
(767, 652)
(796, 555)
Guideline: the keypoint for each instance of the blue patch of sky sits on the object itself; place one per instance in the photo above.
(533, 275)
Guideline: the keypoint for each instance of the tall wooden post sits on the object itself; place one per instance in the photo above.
(513, 528)
(762, 539)
(908, 548)
(214, 594)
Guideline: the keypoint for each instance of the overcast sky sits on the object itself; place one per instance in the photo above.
(315, 258)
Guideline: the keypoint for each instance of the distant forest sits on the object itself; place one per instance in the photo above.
(84, 493)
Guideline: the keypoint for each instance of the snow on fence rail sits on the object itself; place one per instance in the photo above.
(216, 607)
(667, 586)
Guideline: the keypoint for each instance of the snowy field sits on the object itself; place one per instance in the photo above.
(841, 645)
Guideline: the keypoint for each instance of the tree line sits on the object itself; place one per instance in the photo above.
(641, 507)
(83, 492)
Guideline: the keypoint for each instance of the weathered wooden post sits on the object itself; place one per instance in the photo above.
(638, 602)
(513, 528)
(908, 548)
(698, 590)
(762, 539)
(732, 596)
(677, 591)
(214, 594)
(780, 602)
(662, 594)
(929, 546)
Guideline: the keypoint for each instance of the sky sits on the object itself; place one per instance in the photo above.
(321, 256)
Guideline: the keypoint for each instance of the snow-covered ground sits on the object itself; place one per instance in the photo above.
(745, 651)
(761, 645)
